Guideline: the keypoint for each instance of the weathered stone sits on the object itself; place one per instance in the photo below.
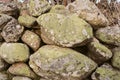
(26, 20)
(14, 52)
(109, 35)
(12, 31)
(31, 39)
(8, 8)
(106, 72)
(37, 7)
(21, 69)
(21, 78)
(60, 9)
(3, 76)
(4, 19)
(116, 57)
(66, 31)
(57, 63)
(89, 12)
(98, 52)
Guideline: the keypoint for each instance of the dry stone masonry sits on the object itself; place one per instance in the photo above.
(40, 40)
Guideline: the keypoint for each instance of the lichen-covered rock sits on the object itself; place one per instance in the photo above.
(21, 78)
(116, 57)
(89, 12)
(3, 76)
(37, 7)
(60, 9)
(21, 69)
(14, 52)
(66, 31)
(57, 63)
(8, 8)
(12, 31)
(109, 35)
(98, 52)
(106, 72)
(26, 20)
(31, 39)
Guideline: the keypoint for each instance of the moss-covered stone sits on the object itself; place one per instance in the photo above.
(26, 20)
(66, 31)
(31, 39)
(109, 35)
(116, 57)
(98, 52)
(21, 69)
(56, 63)
(21, 78)
(60, 9)
(106, 72)
(88, 11)
(37, 7)
(14, 52)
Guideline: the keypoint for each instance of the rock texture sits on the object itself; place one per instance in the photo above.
(89, 12)
(53, 62)
(14, 52)
(66, 31)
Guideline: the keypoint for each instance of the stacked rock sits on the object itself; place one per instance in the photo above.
(40, 41)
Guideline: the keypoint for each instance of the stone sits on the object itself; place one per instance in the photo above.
(4, 19)
(8, 8)
(14, 52)
(56, 63)
(21, 78)
(116, 57)
(109, 35)
(88, 11)
(26, 20)
(106, 72)
(37, 7)
(65, 31)
(21, 69)
(60, 9)
(98, 52)
(3, 76)
(31, 39)
(12, 31)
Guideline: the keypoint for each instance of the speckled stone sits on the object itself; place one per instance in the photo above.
(65, 31)
(14, 52)
(21, 69)
(57, 63)
(106, 72)
(31, 39)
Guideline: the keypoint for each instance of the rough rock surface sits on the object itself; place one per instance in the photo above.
(116, 57)
(12, 31)
(109, 35)
(106, 72)
(53, 62)
(37, 7)
(21, 78)
(8, 8)
(31, 39)
(3, 76)
(66, 31)
(14, 52)
(89, 12)
(98, 52)
(21, 69)
(26, 20)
